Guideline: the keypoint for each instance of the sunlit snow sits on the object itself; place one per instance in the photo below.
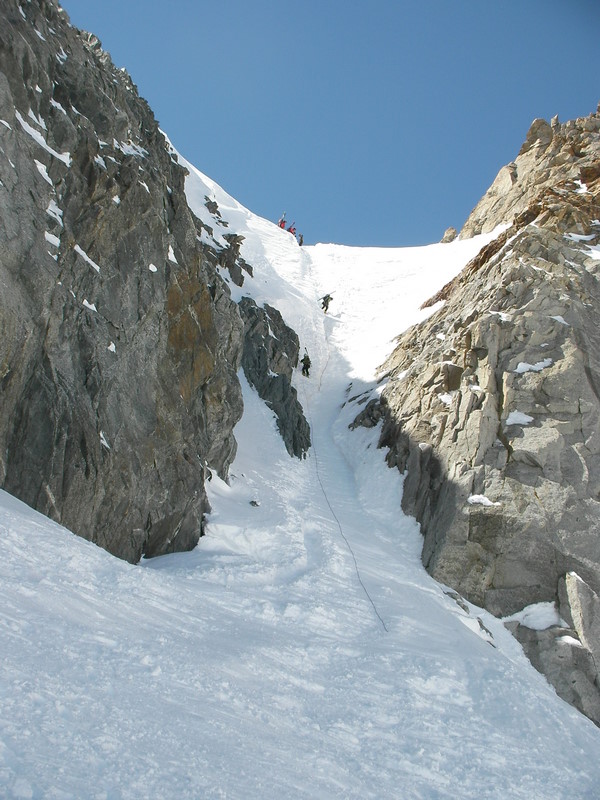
(523, 366)
(538, 616)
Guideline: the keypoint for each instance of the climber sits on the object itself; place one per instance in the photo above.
(300, 239)
(292, 229)
(325, 302)
(305, 364)
(282, 222)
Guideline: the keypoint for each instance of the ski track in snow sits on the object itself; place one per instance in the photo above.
(300, 651)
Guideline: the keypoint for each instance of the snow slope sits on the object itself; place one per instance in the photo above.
(300, 651)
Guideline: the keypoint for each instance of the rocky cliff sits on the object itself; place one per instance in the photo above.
(270, 355)
(119, 341)
(492, 407)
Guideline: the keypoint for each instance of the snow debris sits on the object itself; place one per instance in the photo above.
(86, 258)
(560, 319)
(61, 57)
(538, 617)
(145, 185)
(130, 149)
(117, 200)
(594, 252)
(39, 35)
(91, 306)
(5, 123)
(583, 189)
(152, 268)
(523, 366)
(103, 440)
(55, 212)
(37, 137)
(503, 315)
(57, 105)
(54, 240)
(171, 255)
(112, 347)
(445, 398)
(100, 161)
(22, 13)
(579, 237)
(43, 172)
(480, 500)
(518, 418)
(38, 120)
(570, 640)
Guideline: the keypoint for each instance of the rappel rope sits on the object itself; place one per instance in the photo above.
(333, 514)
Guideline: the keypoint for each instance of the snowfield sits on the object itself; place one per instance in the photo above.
(301, 650)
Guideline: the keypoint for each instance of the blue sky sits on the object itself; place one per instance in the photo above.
(377, 123)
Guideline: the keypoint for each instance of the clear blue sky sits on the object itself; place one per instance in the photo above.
(369, 123)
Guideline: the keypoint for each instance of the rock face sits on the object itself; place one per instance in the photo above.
(270, 355)
(492, 406)
(119, 342)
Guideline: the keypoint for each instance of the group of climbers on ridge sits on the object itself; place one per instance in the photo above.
(291, 228)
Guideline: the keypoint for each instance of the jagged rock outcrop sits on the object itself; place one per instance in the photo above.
(552, 153)
(119, 341)
(492, 406)
(270, 355)
(450, 235)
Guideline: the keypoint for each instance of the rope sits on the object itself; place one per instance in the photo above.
(333, 514)
(348, 545)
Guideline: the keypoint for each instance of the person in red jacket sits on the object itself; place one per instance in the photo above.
(281, 222)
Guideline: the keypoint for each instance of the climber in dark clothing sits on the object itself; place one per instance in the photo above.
(325, 302)
(305, 364)
(300, 239)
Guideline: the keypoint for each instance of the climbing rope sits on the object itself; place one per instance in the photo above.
(333, 514)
